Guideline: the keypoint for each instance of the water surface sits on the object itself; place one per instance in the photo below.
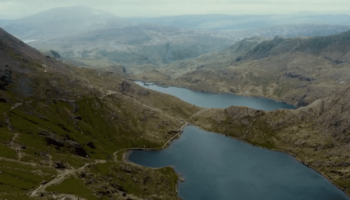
(211, 100)
(218, 168)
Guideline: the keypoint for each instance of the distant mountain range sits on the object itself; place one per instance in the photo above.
(95, 38)
(243, 22)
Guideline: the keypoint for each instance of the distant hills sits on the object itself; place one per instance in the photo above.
(95, 38)
(243, 22)
(62, 21)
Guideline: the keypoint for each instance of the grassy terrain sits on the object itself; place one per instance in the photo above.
(100, 127)
(17, 179)
(58, 121)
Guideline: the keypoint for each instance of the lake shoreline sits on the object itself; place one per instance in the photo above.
(125, 156)
(208, 92)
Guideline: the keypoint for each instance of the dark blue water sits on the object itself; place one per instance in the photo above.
(218, 168)
(211, 100)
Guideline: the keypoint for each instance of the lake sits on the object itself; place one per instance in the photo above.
(216, 167)
(211, 100)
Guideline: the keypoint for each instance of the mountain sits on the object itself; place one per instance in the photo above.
(136, 45)
(90, 37)
(60, 127)
(62, 21)
(158, 45)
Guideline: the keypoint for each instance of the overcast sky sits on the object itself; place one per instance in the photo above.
(131, 8)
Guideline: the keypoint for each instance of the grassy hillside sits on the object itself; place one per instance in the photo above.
(60, 125)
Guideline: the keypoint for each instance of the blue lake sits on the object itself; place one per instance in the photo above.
(211, 100)
(216, 167)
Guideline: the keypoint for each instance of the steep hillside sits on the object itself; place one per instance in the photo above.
(61, 125)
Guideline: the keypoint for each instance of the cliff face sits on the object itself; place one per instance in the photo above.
(60, 125)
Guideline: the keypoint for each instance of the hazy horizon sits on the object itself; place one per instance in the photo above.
(14, 9)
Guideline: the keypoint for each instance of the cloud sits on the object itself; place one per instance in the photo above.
(128, 8)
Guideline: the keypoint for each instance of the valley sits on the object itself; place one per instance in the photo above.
(71, 111)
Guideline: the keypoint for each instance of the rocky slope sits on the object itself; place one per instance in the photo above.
(60, 125)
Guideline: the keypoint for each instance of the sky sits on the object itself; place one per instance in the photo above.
(11, 9)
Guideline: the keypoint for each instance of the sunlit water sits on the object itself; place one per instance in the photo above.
(218, 168)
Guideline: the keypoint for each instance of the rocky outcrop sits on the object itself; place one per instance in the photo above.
(125, 87)
(76, 148)
(298, 76)
(5, 78)
(73, 146)
(53, 140)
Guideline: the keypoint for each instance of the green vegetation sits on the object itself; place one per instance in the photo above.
(73, 186)
(52, 132)
(5, 136)
(16, 179)
(7, 152)
(134, 180)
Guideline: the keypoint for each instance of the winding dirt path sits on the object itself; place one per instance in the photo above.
(160, 148)
(15, 146)
(60, 177)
